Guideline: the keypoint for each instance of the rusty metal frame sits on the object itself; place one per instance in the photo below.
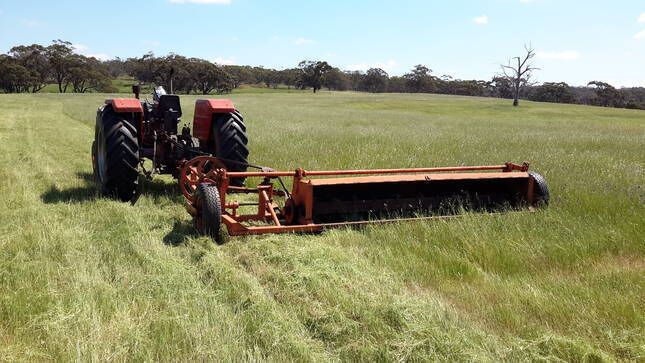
(273, 219)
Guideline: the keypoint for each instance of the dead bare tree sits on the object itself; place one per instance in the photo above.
(519, 74)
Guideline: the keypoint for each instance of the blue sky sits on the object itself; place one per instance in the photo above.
(577, 41)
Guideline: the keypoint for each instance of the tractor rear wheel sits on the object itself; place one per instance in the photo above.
(208, 220)
(94, 158)
(540, 189)
(115, 156)
(230, 143)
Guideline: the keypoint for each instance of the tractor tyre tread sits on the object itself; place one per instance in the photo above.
(122, 157)
(231, 143)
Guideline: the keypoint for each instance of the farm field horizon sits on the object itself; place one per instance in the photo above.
(84, 277)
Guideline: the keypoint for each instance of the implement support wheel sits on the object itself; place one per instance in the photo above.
(540, 190)
(208, 219)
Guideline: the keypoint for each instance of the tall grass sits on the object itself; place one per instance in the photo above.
(88, 278)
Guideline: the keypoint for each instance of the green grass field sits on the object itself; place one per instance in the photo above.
(85, 278)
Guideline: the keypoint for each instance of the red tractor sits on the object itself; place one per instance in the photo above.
(129, 130)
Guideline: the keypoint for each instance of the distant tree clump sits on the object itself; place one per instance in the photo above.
(14, 78)
(553, 92)
(289, 77)
(375, 80)
(29, 68)
(34, 59)
(606, 95)
(501, 87)
(634, 97)
(337, 80)
(59, 55)
(420, 79)
(85, 74)
(312, 74)
(180, 74)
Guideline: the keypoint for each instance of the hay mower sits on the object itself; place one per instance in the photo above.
(211, 165)
(336, 198)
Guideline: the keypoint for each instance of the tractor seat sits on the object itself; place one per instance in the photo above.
(167, 102)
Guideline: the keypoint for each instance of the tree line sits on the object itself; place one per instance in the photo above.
(29, 68)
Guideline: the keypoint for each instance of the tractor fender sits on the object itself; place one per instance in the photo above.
(125, 105)
(130, 108)
(203, 118)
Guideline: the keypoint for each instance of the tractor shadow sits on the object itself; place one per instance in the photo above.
(155, 189)
(85, 193)
(181, 232)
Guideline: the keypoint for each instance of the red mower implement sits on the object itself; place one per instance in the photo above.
(336, 198)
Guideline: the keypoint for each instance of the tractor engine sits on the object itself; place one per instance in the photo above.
(160, 140)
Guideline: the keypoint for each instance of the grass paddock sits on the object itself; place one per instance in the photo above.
(88, 278)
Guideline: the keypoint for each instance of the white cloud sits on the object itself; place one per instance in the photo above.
(302, 41)
(219, 2)
(526, 1)
(640, 35)
(100, 56)
(566, 55)
(79, 48)
(224, 61)
(84, 50)
(481, 20)
(388, 66)
(641, 18)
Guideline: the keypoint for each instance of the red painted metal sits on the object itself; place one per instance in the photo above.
(125, 105)
(302, 209)
(415, 177)
(196, 171)
(304, 173)
(203, 118)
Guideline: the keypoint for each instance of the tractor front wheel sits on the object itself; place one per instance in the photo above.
(115, 156)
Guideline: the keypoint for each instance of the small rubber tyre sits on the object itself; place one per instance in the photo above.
(540, 190)
(230, 143)
(208, 219)
(115, 156)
